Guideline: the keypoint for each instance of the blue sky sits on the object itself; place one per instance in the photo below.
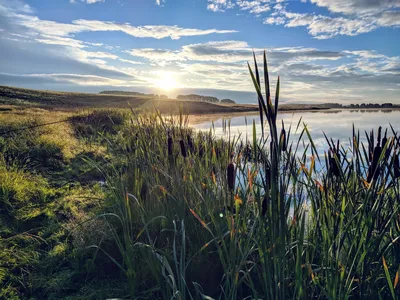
(345, 51)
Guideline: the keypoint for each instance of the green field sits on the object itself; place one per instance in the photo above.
(114, 203)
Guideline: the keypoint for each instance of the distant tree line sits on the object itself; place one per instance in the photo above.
(374, 105)
(194, 97)
(362, 105)
(127, 93)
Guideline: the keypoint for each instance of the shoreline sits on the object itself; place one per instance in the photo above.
(201, 118)
(12, 98)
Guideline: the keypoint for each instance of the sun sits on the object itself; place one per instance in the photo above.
(167, 82)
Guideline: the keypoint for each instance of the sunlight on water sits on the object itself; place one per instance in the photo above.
(336, 124)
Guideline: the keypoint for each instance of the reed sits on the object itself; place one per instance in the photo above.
(270, 222)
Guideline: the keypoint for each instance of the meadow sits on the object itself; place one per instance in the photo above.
(116, 203)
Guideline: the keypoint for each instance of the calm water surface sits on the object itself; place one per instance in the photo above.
(336, 124)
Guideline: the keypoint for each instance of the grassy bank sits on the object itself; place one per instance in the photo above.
(137, 206)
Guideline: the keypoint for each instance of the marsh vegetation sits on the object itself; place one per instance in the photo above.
(115, 203)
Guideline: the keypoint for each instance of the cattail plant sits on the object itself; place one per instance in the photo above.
(389, 148)
(283, 138)
(333, 166)
(190, 143)
(396, 165)
(370, 145)
(231, 176)
(201, 150)
(183, 148)
(373, 170)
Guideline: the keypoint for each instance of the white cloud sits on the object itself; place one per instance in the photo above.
(156, 31)
(219, 5)
(357, 6)
(15, 6)
(348, 17)
(275, 20)
(63, 78)
(132, 62)
(389, 18)
(324, 27)
(157, 54)
(87, 1)
(254, 7)
(148, 31)
(57, 40)
(231, 52)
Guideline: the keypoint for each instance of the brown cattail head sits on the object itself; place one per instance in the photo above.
(201, 150)
(384, 140)
(371, 145)
(231, 176)
(396, 166)
(218, 152)
(337, 150)
(389, 147)
(190, 143)
(268, 176)
(373, 170)
(282, 140)
(183, 148)
(333, 164)
(379, 135)
(170, 146)
(144, 190)
(264, 205)
(247, 151)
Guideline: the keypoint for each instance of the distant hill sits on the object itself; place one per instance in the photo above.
(195, 97)
(201, 98)
(128, 93)
(227, 101)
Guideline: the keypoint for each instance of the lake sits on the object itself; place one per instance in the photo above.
(336, 124)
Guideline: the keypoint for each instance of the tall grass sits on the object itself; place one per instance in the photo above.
(294, 225)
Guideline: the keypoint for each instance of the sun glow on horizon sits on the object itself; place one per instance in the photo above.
(167, 82)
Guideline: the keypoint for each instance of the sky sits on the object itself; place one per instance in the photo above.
(337, 51)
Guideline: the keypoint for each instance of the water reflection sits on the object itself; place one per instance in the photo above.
(336, 124)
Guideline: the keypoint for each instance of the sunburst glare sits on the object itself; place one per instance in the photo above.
(167, 82)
